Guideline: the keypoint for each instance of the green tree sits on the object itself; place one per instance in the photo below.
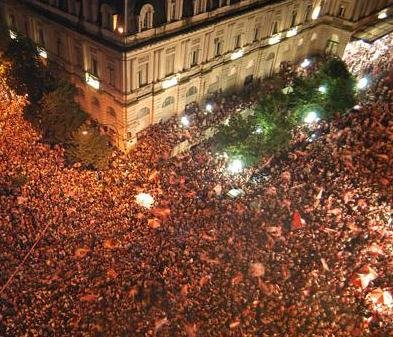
(89, 148)
(340, 84)
(60, 115)
(26, 74)
(4, 36)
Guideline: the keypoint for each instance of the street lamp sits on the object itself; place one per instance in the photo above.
(362, 83)
(184, 121)
(312, 117)
(235, 166)
(305, 63)
(209, 107)
(322, 89)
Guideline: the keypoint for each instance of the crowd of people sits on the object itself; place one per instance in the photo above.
(306, 250)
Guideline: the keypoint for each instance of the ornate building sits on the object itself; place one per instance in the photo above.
(136, 62)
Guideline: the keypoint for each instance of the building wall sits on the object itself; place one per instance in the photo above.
(217, 55)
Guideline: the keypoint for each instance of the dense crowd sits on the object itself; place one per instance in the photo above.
(304, 252)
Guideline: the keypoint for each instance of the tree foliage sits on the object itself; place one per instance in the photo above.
(4, 36)
(89, 147)
(60, 115)
(331, 90)
(26, 74)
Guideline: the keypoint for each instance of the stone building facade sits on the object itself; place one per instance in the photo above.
(138, 62)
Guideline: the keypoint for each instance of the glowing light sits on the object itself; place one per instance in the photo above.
(312, 117)
(362, 83)
(92, 81)
(120, 29)
(144, 200)
(322, 89)
(275, 39)
(169, 83)
(42, 52)
(382, 15)
(84, 132)
(316, 12)
(184, 121)
(209, 107)
(13, 35)
(235, 166)
(357, 107)
(306, 63)
(292, 32)
(312, 138)
(237, 54)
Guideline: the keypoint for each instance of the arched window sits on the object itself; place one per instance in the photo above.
(199, 6)
(192, 91)
(95, 102)
(168, 101)
(171, 10)
(90, 8)
(106, 15)
(146, 17)
(143, 112)
(80, 93)
(110, 111)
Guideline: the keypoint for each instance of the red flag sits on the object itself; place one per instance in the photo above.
(296, 220)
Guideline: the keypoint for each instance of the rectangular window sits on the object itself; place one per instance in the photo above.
(194, 57)
(274, 30)
(293, 19)
(41, 37)
(308, 12)
(257, 32)
(341, 11)
(79, 56)
(217, 46)
(237, 42)
(111, 74)
(94, 65)
(169, 64)
(142, 74)
(27, 30)
(59, 47)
